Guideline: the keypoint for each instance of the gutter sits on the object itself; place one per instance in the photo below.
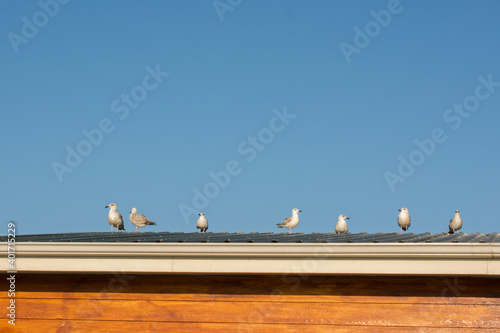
(467, 259)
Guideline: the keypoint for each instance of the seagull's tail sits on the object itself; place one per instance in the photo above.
(151, 223)
(279, 225)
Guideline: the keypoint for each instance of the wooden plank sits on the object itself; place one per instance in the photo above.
(115, 296)
(259, 298)
(29, 326)
(117, 283)
(264, 285)
(359, 299)
(83, 326)
(262, 288)
(361, 286)
(404, 315)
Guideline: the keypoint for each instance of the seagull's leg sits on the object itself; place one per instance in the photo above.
(401, 230)
(136, 229)
(289, 231)
(111, 229)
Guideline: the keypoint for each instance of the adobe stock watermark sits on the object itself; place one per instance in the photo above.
(116, 284)
(363, 37)
(222, 6)
(95, 136)
(452, 116)
(249, 149)
(454, 288)
(31, 26)
(292, 279)
(11, 257)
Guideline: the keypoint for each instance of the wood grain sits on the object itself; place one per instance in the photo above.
(263, 288)
(85, 326)
(259, 312)
(261, 298)
(264, 285)
(176, 303)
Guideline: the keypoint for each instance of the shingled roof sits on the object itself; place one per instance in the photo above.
(255, 237)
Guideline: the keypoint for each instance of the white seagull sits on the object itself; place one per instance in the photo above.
(139, 220)
(202, 223)
(290, 222)
(341, 227)
(115, 219)
(455, 222)
(404, 220)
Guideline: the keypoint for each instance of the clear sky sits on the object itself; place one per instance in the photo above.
(244, 110)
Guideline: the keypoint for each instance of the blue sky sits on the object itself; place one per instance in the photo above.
(316, 105)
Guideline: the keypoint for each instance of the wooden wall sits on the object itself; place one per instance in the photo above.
(139, 303)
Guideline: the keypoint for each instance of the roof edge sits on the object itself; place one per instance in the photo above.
(258, 258)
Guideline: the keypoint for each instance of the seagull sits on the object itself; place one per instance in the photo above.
(202, 223)
(139, 220)
(115, 219)
(455, 222)
(404, 220)
(341, 227)
(290, 222)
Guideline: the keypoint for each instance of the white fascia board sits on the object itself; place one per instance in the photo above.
(473, 259)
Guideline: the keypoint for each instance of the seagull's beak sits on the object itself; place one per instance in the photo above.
(347, 218)
(106, 207)
(399, 210)
(199, 214)
(300, 211)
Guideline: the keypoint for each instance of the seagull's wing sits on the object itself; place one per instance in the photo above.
(286, 221)
(120, 225)
(135, 218)
(147, 221)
